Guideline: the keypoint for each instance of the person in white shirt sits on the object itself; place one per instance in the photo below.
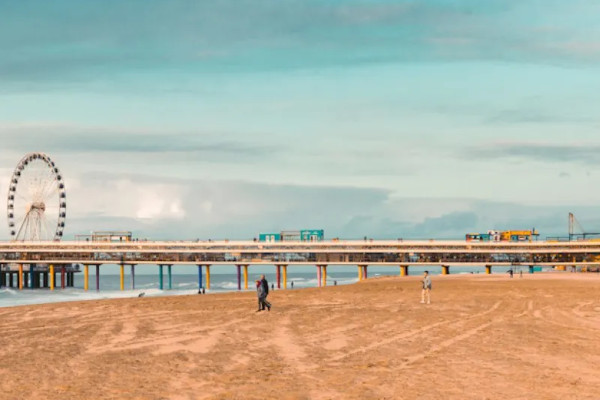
(426, 291)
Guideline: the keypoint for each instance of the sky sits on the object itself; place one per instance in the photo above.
(386, 119)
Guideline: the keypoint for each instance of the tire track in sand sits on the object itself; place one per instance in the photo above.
(415, 332)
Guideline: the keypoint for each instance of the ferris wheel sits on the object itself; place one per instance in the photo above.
(37, 205)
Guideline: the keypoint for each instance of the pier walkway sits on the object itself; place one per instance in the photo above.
(42, 260)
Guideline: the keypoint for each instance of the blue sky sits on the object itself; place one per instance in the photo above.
(197, 119)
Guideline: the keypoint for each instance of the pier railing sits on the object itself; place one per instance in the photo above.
(338, 252)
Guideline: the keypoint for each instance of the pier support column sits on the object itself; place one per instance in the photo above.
(284, 276)
(97, 278)
(360, 272)
(199, 278)
(324, 275)
(445, 270)
(86, 277)
(365, 272)
(239, 276)
(2, 278)
(20, 276)
(11, 279)
(278, 276)
(160, 277)
(488, 269)
(318, 275)
(25, 279)
(208, 277)
(52, 277)
(132, 276)
(404, 270)
(246, 277)
(170, 276)
(62, 276)
(31, 277)
(531, 269)
(122, 277)
(45, 279)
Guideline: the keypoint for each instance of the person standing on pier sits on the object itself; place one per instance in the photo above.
(426, 291)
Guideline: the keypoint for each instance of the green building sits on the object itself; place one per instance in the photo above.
(304, 235)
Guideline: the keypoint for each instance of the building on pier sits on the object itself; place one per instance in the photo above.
(304, 235)
(106, 236)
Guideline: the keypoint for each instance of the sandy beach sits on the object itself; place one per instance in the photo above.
(483, 337)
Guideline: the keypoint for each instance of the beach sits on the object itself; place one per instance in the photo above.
(483, 337)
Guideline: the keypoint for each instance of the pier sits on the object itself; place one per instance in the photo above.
(39, 264)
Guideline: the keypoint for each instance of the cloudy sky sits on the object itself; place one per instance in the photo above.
(387, 119)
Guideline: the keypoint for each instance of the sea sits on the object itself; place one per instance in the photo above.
(223, 279)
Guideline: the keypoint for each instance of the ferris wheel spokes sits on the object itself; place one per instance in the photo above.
(36, 200)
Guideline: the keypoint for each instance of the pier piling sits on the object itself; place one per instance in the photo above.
(324, 273)
(62, 276)
(122, 276)
(404, 270)
(208, 277)
(488, 269)
(20, 276)
(132, 276)
(246, 277)
(86, 277)
(97, 278)
(284, 277)
(199, 277)
(160, 277)
(52, 277)
(278, 274)
(170, 276)
(318, 275)
(239, 276)
(445, 270)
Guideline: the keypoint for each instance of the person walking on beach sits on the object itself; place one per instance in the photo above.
(263, 281)
(259, 295)
(262, 290)
(426, 291)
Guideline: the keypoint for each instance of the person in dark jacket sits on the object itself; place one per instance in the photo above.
(262, 290)
(265, 284)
